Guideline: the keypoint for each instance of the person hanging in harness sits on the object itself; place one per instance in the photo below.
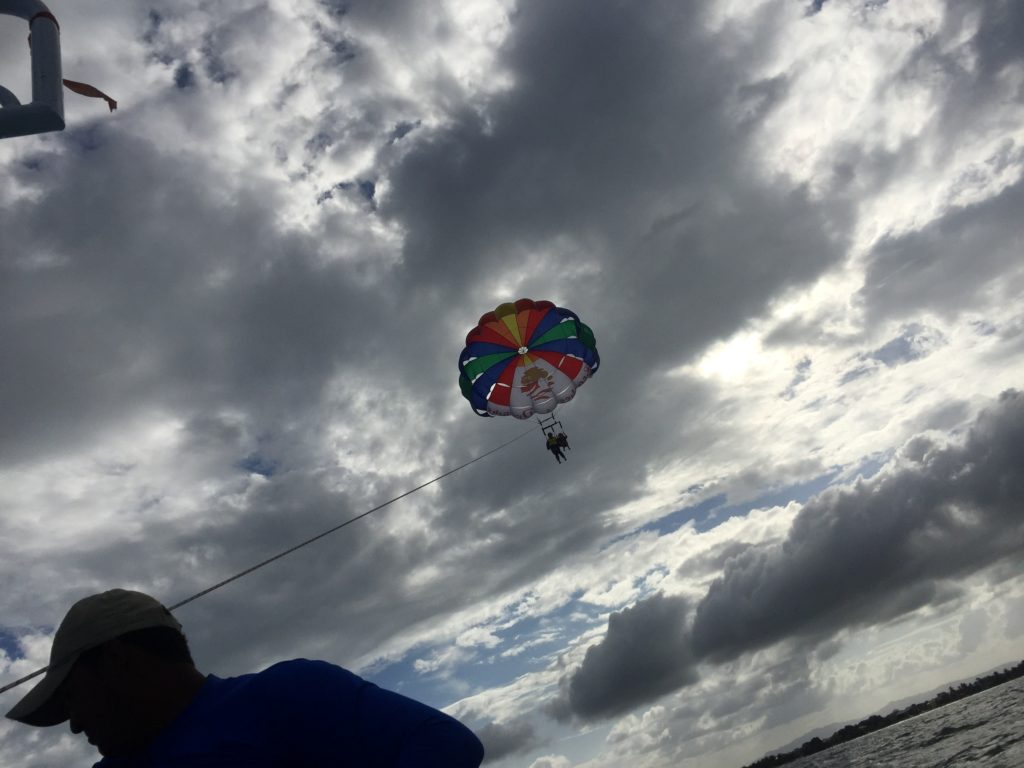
(555, 448)
(563, 440)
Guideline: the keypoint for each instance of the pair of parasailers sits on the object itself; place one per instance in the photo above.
(555, 444)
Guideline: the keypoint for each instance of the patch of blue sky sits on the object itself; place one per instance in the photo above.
(496, 667)
(914, 342)
(867, 468)
(857, 373)
(184, 78)
(403, 677)
(714, 511)
(527, 646)
(9, 645)
(799, 492)
(482, 668)
(676, 520)
(255, 464)
(983, 327)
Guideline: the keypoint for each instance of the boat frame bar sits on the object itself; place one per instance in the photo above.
(46, 111)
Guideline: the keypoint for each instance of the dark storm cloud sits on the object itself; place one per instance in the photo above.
(183, 305)
(102, 316)
(358, 589)
(945, 417)
(715, 558)
(955, 264)
(785, 690)
(645, 654)
(947, 266)
(855, 556)
(1000, 37)
(615, 138)
(610, 178)
(997, 42)
(708, 719)
(503, 739)
(1012, 337)
(210, 54)
(881, 548)
(339, 598)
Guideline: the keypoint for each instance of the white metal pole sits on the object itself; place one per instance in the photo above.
(46, 111)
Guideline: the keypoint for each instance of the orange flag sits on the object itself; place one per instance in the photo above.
(88, 90)
(82, 88)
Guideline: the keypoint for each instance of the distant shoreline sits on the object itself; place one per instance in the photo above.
(878, 722)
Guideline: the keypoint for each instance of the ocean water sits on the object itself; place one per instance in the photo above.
(986, 729)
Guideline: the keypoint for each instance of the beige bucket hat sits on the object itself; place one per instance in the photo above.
(91, 621)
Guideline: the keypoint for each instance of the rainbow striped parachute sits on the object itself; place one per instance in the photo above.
(526, 358)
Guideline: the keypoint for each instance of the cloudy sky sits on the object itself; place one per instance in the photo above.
(231, 311)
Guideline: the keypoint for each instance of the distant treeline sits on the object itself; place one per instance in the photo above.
(877, 722)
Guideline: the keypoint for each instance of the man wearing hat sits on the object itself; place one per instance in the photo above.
(121, 672)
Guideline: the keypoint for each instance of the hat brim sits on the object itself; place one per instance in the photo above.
(41, 706)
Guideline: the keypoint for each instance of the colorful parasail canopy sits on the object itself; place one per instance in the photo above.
(526, 358)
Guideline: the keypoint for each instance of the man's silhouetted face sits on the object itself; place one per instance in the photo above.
(106, 700)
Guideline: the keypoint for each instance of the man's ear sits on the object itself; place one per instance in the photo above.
(114, 657)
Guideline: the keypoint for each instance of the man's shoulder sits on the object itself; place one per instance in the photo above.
(303, 669)
(304, 677)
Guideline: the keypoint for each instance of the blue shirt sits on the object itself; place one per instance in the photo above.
(306, 714)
